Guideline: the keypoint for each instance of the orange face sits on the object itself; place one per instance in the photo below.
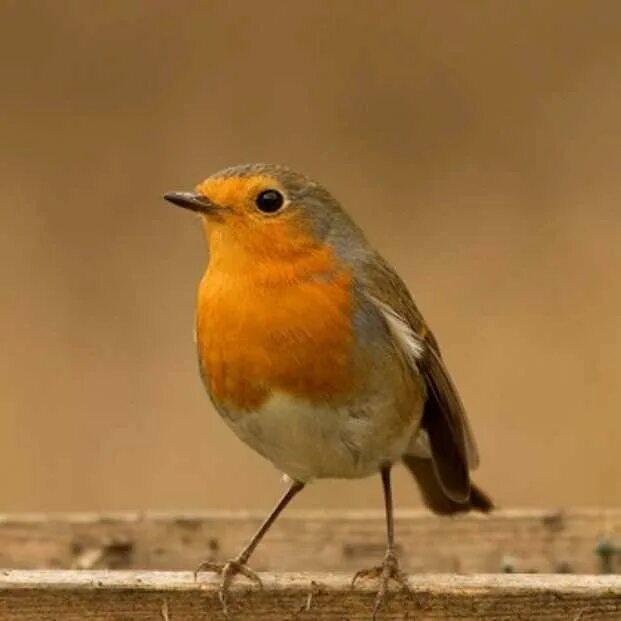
(254, 226)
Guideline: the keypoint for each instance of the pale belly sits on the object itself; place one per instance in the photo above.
(307, 441)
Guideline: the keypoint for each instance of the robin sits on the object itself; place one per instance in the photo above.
(315, 354)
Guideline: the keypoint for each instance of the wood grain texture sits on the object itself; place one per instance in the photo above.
(169, 596)
(516, 540)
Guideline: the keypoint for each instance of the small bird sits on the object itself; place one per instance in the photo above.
(313, 352)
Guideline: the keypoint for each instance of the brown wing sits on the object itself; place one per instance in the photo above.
(451, 441)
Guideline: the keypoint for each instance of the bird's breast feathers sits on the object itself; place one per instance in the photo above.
(294, 336)
(300, 377)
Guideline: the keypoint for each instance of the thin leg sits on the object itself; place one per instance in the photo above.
(286, 498)
(389, 569)
(231, 568)
(390, 523)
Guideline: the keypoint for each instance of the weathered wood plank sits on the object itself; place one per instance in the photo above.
(514, 540)
(168, 596)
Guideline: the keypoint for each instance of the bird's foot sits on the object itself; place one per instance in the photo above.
(388, 571)
(228, 570)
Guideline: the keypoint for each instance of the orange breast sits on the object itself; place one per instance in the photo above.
(270, 324)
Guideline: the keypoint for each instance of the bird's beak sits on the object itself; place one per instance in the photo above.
(192, 201)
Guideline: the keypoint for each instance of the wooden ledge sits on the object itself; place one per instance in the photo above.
(580, 541)
(175, 596)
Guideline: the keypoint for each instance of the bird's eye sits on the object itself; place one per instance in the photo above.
(270, 201)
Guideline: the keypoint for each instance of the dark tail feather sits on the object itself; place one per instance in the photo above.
(435, 497)
(448, 453)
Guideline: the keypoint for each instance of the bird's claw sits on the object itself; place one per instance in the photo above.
(228, 570)
(388, 571)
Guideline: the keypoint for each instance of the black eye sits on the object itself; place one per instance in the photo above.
(270, 201)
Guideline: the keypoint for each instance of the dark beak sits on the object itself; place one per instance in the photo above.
(192, 201)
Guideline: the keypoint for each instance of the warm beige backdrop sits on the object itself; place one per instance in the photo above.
(479, 144)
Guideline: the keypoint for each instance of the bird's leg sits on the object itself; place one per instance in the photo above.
(229, 569)
(389, 569)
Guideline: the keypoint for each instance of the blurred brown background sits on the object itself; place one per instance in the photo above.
(478, 143)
